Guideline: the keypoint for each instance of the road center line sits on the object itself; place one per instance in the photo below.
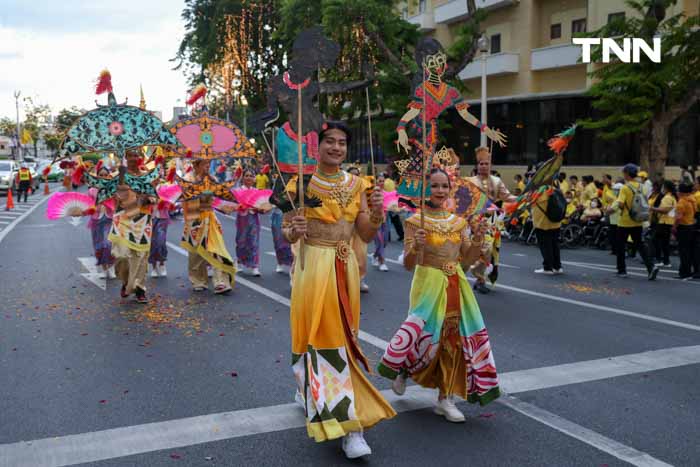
(590, 437)
(138, 439)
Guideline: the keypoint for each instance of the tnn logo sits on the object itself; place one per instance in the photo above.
(629, 52)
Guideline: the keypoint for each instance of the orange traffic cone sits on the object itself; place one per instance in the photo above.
(46, 187)
(10, 204)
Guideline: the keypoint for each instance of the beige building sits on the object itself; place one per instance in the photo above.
(536, 85)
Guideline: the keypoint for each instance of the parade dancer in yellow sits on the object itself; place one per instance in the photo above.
(203, 239)
(497, 191)
(325, 306)
(443, 343)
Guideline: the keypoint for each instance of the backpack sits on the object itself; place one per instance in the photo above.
(556, 206)
(639, 210)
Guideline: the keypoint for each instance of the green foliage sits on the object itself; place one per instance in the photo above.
(8, 127)
(630, 95)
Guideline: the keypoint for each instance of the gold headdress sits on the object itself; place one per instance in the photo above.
(482, 153)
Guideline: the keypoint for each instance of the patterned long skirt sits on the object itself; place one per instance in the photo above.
(443, 343)
(248, 240)
(159, 249)
(380, 240)
(99, 228)
(283, 249)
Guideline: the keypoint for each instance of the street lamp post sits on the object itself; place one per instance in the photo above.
(244, 103)
(483, 44)
(19, 141)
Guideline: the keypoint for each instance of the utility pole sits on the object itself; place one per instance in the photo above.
(19, 141)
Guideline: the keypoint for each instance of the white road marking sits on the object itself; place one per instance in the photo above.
(94, 274)
(9, 228)
(9, 217)
(590, 437)
(606, 269)
(131, 440)
(518, 254)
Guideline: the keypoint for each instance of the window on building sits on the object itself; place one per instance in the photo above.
(578, 26)
(612, 17)
(496, 43)
(421, 6)
(555, 31)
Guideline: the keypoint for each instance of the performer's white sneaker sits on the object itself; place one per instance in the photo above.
(383, 267)
(282, 269)
(354, 445)
(255, 272)
(111, 274)
(375, 261)
(399, 385)
(154, 271)
(447, 408)
(364, 288)
(162, 271)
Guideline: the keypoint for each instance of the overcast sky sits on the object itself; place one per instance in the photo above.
(53, 51)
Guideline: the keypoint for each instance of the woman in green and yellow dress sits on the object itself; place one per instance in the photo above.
(443, 342)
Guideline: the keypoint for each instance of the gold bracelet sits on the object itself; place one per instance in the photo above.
(375, 220)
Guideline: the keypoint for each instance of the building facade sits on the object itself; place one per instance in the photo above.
(536, 85)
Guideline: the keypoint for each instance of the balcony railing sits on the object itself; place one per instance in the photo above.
(456, 10)
(424, 21)
(497, 64)
(556, 56)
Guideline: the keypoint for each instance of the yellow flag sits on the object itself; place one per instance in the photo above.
(26, 138)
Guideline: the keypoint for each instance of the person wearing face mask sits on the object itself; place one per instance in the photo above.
(248, 231)
(337, 398)
(592, 212)
(443, 343)
(663, 216)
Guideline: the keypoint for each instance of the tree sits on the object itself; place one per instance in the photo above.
(646, 98)
(229, 46)
(35, 121)
(8, 127)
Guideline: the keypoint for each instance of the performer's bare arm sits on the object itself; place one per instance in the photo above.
(369, 221)
(414, 241)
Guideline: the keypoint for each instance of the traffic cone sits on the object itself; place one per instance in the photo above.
(10, 204)
(46, 187)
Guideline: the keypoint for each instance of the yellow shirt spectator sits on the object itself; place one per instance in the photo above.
(539, 216)
(624, 202)
(564, 186)
(521, 186)
(261, 181)
(685, 210)
(667, 202)
(589, 193)
(696, 195)
(608, 196)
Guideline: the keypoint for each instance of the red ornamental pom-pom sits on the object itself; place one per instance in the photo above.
(159, 159)
(171, 175)
(98, 166)
(266, 169)
(188, 169)
(197, 93)
(77, 178)
(188, 154)
(238, 173)
(104, 83)
(221, 169)
(89, 211)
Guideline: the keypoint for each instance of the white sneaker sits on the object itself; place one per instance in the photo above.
(383, 267)
(447, 408)
(162, 271)
(255, 272)
(375, 261)
(111, 274)
(282, 269)
(544, 271)
(354, 445)
(364, 288)
(154, 271)
(399, 385)
(559, 271)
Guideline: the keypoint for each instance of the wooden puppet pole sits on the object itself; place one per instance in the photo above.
(300, 174)
(371, 146)
(424, 168)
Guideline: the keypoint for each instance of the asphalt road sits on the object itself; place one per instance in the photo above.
(599, 371)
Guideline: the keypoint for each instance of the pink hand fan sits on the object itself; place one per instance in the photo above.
(169, 193)
(219, 203)
(64, 204)
(251, 198)
(391, 201)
